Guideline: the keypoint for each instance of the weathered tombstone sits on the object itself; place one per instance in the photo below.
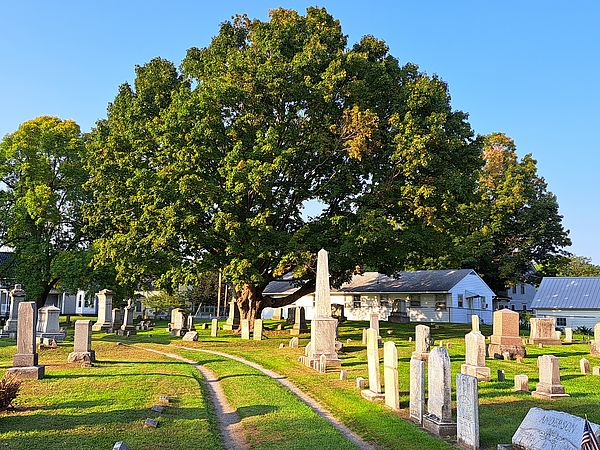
(190, 323)
(17, 295)
(277, 314)
(475, 356)
(390, 375)
(104, 322)
(299, 322)
(364, 336)
(417, 390)
(48, 325)
(374, 391)
(294, 342)
(422, 342)
(245, 329)
(120, 446)
(117, 319)
(25, 361)
(568, 335)
(550, 430)
(190, 336)
(279, 327)
(323, 331)
(343, 374)
(82, 345)
(291, 316)
(178, 322)
(549, 386)
(501, 375)
(361, 383)
(505, 337)
(204, 326)
(467, 412)
(128, 327)
(438, 419)
(584, 366)
(595, 344)
(596, 370)
(214, 327)
(474, 322)
(543, 331)
(374, 323)
(323, 363)
(337, 312)
(258, 330)
(282, 345)
(233, 319)
(521, 383)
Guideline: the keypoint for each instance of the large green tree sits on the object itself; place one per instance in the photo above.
(515, 222)
(42, 177)
(211, 166)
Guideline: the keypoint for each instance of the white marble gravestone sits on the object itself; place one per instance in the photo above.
(390, 375)
(417, 390)
(467, 412)
(104, 322)
(422, 339)
(438, 419)
(48, 325)
(374, 391)
(17, 295)
(82, 345)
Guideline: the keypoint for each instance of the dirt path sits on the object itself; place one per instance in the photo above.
(313, 404)
(229, 421)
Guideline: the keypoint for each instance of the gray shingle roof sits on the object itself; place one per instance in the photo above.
(418, 281)
(568, 293)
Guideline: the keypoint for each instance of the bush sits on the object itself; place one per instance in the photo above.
(9, 389)
(584, 330)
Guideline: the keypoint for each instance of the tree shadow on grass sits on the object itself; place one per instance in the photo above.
(104, 375)
(256, 410)
(257, 375)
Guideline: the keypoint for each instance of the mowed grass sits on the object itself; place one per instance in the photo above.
(92, 408)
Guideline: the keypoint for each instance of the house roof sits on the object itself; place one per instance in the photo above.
(568, 293)
(371, 282)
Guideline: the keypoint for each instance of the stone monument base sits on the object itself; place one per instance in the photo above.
(129, 330)
(315, 363)
(438, 427)
(8, 334)
(397, 317)
(512, 350)
(82, 356)
(27, 373)
(544, 341)
(106, 327)
(56, 336)
(368, 394)
(549, 391)
(479, 372)
(421, 356)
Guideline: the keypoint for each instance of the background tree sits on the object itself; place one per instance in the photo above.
(575, 266)
(212, 167)
(42, 173)
(515, 223)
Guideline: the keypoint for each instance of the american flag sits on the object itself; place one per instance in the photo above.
(589, 441)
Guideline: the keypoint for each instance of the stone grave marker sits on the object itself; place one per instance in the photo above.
(117, 319)
(299, 322)
(25, 361)
(374, 391)
(276, 314)
(233, 319)
(104, 322)
(364, 336)
(178, 325)
(568, 335)
(190, 325)
(475, 356)
(150, 423)
(467, 412)
(374, 323)
(505, 337)
(120, 446)
(245, 329)
(82, 346)
(417, 390)
(128, 328)
(438, 419)
(501, 375)
(190, 336)
(214, 327)
(549, 386)
(595, 343)
(157, 408)
(257, 335)
(543, 331)
(521, 383)
(204, 326)
(361, 383)
(390, 375)
(596, 370)
(48, 325)
(323, 363)
(422, 342)
(343, 374)
(17, 295)
(294, 342)
(584, 366)
(474, 322)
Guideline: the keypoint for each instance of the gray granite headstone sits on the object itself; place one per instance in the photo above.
(25, 361)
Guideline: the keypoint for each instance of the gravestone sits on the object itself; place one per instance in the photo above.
(390, 375)
(364, 336)
(337, 312)
(417, 390)
(117, 319)
(323, 330)
(543, 429)
(596, 370)
(299, 322)
(474, 322)
(501, 375)
(323, 363)
(178, 325)
(521, 383)
(214, 327)
(343, 374)
(245, 329)
(48, 325)
(361, 383)
(257, 334)
(204, 326)
(104, 322)
(595, 343)
(549, 386)
(128, 327)
(190, 323)
(543, 331)
(422, 342)
(233, 319)
(120, 446)
(374, 391)
(25, 361)
(190, 336)
(568, 335)
(438, 419)
(82, 342)
(291, 316)
(277, 314)
(294, 342)
(17, 295)
(475, 356)
(505, 337)
(467, 412)
(584, 366)
(374, 323)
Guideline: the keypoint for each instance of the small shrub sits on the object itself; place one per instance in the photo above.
(584, 330)
(9, 389)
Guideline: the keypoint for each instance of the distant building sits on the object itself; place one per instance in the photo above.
(420, 296)
(573, 301)
(517, 297)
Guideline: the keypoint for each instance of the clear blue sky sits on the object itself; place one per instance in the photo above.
(527, 68)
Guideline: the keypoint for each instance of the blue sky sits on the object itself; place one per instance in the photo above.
(529, 69)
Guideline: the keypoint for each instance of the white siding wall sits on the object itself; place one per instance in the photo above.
(472, 283)
(575, 318)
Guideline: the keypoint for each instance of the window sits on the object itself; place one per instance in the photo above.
(524, 307)
(522, 288)
(514, 289)
(561, 321)
(460, 300)
(356, 303)
(512, 307)
(415, 303)
(384, 300)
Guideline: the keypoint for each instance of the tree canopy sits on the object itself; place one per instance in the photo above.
(211, 166)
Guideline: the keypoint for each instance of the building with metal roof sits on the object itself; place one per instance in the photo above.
(573, 301)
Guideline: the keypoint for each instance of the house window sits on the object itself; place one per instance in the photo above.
(561, 321)
(522, 289)
(384, 300)
(512, 307)
(514, 289)
(356, 303)
(460, 300)
(415, 303)
(440, 306)
(524, 307)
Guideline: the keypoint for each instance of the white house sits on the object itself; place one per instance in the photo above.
(517, 297)
(573, 301)
(420, 296)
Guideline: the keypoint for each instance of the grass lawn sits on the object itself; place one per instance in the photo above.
(92, 408)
